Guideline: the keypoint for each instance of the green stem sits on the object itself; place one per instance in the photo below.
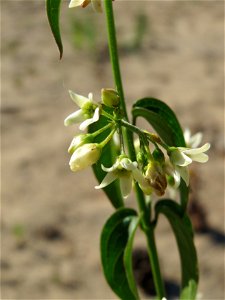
(114, 54)
(130, 145)
(153, 138)
(107, 115)
(108, 138)
(155, 268)
(112, 42)
(96, 133)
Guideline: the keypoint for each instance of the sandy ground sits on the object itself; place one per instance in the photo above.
(51, 218)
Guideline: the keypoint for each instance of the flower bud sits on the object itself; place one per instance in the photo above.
(85, 156)
(142, 159)
(158, 155)
(78, 141)
(156, 177)
(110, 97)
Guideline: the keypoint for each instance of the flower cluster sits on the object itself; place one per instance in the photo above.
(85, 152)
(153, 171)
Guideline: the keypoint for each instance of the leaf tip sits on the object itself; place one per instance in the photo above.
(60, 54)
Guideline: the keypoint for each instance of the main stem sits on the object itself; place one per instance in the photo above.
(114, 54)
(147, 228)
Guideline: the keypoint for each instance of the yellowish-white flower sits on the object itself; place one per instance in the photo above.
(87, 114)
(192, 141)
(96, 4)
(181, 157)
(125, 170)
(85, 156)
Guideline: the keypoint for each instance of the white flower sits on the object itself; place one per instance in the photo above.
(85, 156)
(96, 4)
(192, 141)
(181, 157)
(126, 171)
(87, 114)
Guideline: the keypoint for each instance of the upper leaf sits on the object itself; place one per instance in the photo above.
(116, 241)
(107, 158)
(165, 123)
(53, 11)
(162, 119)
(182, 229)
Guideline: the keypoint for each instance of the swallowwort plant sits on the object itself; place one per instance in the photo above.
(159, 161)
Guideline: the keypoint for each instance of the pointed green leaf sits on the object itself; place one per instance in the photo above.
(165, 123)
(53, 11)
(114, 243)
(128, 256)
(162, 119)
(107, 159)
(182, 229)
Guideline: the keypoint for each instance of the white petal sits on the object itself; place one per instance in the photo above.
(109, 178)
(88, 122)
(90, 97)
(187, 136)
(75, 117)
(179, 158)
(169, 170)
(78, 99)
(201, 157)
(96, 115)
(85, 124)
(127, 164)
(138, 176)
(111, 169)
(97, 5)
(176, 177)
(184, 173)
(126, 185)
(74, 3)
(204, 148)
(195, 140)
(192, 141)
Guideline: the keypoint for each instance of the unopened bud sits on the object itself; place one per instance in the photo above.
(141, 158)
(85, 156)
(158, 155)
(78, 141)
(156, 177)
(110, 97)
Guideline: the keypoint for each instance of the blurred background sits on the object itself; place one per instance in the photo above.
(52, 218)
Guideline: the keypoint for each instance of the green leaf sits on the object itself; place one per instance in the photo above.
(182, 229)
(107, 159)
(165, 123)
(116, 241)
(128, 256)
(53, 10)
(162, 119)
